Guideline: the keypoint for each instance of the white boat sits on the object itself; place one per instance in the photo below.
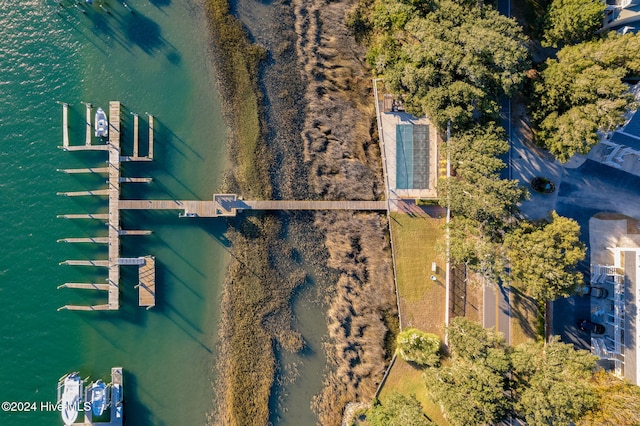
(71, 398)
(101, 124)
(98, 397)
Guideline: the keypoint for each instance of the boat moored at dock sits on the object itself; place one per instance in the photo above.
(101, 123)
(70, 400)
(98, 397)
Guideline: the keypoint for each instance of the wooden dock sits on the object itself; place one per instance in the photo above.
(95, 240)
(114, 261)
(229, 205)
(150, 154)
(85, 286)
(147, 283)
(101, 216)
(136, 148)
(114, 210)
(100, 263)
(89, 170)
(219, 206)
(65, 125)
(87, 136)
(84, 193)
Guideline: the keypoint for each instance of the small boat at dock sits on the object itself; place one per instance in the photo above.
(101, 124)
(116, 400)
(71, 398)
(98, 396)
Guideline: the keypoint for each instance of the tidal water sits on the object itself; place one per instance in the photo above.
(153, 60)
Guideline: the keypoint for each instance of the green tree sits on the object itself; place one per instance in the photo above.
(451, 59)
(551, 382)
(417, 346)
(572, 21)
(471, 245)
(544, 258)
(398, 410)
(482, 203)
(469, 340)
(583, 92)
(618, 402)
(469, 392)
(476, 191)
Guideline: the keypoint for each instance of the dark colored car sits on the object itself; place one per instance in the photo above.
(597, 292)
(591, 327)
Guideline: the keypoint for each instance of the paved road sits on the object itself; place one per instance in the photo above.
(497, 309)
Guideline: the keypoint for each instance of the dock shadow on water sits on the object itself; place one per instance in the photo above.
(160, 3)
(135, 412)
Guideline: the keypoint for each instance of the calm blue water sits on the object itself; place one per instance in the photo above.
(154, 60)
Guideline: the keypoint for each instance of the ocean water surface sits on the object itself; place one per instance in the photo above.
(152, 56)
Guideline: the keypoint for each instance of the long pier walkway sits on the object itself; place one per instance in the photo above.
(219, 205)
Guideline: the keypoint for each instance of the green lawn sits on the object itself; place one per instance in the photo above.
(418, 242)
(407, 380)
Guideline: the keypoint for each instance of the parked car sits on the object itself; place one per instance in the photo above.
(591, 327)
(597, 292)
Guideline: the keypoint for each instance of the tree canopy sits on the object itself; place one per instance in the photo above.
(618, 402)
(485, 380)
(482, 203)
(471, 388)
(469, 340)
(398, 410)
(452, 60)
(417, 346)
(544, 258)
(582, 92)
(470, 392)
(572, 21)
(476, 191)
(551, 382)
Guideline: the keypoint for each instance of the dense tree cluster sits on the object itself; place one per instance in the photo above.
(485, 380)
(451, 59)
(544, 258)
(551, 382)
(582, 92)
(471, 389)
(398, 410)
(572, 21)
(482, 203)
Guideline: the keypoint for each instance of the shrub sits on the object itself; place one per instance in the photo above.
(417, 346)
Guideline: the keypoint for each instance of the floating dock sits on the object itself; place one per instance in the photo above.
(221, 205)
(115, 410)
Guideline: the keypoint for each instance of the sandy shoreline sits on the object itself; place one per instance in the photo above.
(315, 141)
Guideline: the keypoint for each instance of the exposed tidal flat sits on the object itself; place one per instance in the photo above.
(155, 60)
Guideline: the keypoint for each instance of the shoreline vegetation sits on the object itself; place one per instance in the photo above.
(329, 151)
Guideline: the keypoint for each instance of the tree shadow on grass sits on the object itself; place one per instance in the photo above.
(524, 310)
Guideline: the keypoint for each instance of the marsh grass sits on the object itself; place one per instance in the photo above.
(256, 313)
